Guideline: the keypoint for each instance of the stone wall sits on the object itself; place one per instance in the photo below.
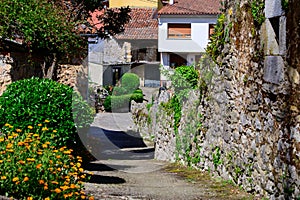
(244, 126)
(15, 67)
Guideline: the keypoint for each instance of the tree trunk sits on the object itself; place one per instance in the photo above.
(51, 68)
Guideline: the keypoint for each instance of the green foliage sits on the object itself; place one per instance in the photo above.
(285, 5)
(43, 25)
(34, 169)
(217, 40)
(257, 10)
(130, 82)
(217, 157)
(115, 103)
(36, 101)
(117, 91)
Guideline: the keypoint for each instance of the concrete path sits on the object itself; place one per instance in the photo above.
(125, 168)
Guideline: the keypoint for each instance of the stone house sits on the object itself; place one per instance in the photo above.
(134, 50)
(184, 29)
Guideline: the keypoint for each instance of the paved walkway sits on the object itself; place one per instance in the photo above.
(125, 168)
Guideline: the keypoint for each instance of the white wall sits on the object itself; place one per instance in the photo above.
(199, 34)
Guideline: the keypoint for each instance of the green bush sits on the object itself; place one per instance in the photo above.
(118, 103)
(32, 169)
(117, 91)
(36, 101)
(130, 82)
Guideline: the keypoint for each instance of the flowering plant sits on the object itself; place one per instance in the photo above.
(31, 168)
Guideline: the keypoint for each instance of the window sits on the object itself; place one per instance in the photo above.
(179, 31)
(177, 60)
(211, 30)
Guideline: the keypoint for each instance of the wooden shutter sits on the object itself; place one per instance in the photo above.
(179, 30)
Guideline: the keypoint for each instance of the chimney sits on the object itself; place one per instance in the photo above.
(171, 2)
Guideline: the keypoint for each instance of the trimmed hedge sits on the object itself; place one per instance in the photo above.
(121, 103)
(130, 82)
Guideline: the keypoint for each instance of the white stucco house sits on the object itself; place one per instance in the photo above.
(184, 29)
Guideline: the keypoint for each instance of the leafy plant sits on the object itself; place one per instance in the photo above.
(36, 101)
(116, 103)
(257, 10)
(32, 168)
(217, 40)
(130, 82)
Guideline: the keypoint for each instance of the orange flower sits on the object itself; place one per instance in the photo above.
(9, 145)
(41, 182)
(21, 162)
(25, 179)
(38, 166)
(91, 198)
(57, 190)
(72, 186)
(45, 187)
(18, 130)
(29, 198)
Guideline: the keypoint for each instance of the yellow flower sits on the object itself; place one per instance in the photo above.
(55, 151)
(1, 161)
(47, 143)
(3, 177)
(72, 186)
(54, 131)
(78, 164)
(47, 121)
(29, 198)
(18, 130)
(47, 198)
(38, 166)
(67, 152)
(44, 129)
(10, 137)
(40, 124)
(15, 134)
(9, 145)
(57, 190)
(54, 182)
(10, 126)
(30, 127)
(15, 179)
(25, 179)
(82, 197)
(58, 157)
(35, 135)
(81, 169)
(6, 124)
(1, 139)
(44, 145)
(30, 159)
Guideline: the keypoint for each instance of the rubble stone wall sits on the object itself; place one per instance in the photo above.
(245, 125)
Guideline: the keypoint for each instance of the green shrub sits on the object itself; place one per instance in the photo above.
(35, 101)
(130, 82)
(117, 91)
(138, 91)
(118, 103)
(34, 169)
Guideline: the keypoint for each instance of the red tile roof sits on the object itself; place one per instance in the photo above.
(191, 7)
(143, 25)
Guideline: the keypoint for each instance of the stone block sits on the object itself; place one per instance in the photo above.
(273, 8)
(273, 69)
(271, 46)
(282, 35)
